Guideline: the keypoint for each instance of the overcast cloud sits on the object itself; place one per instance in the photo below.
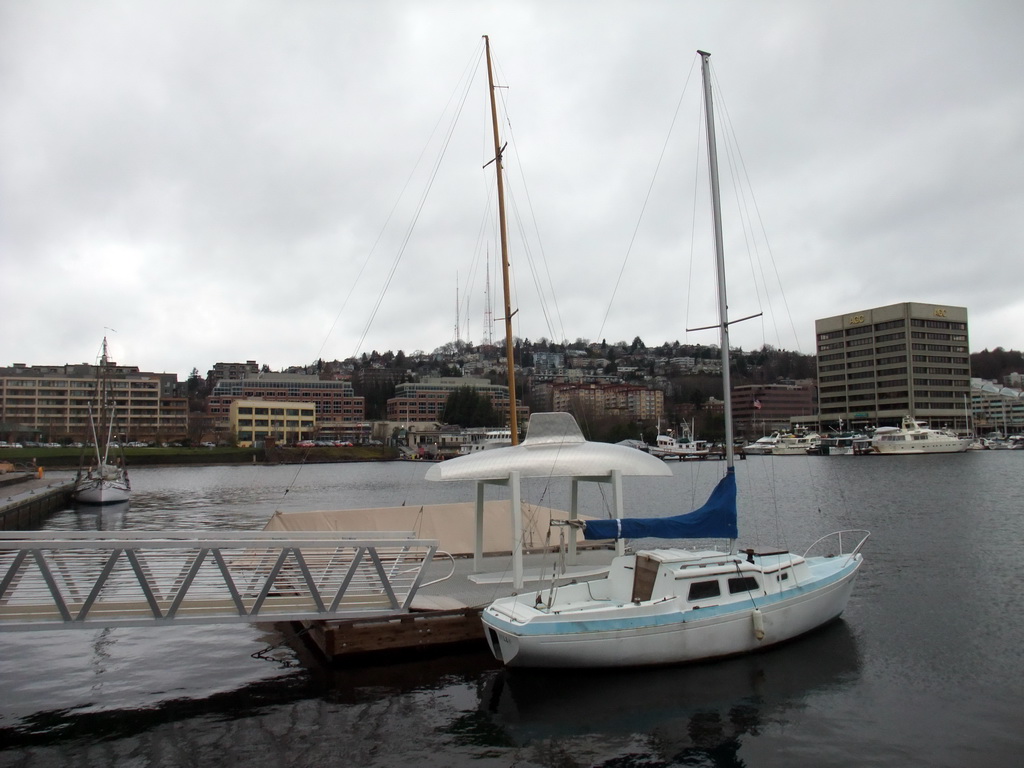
(223, 181)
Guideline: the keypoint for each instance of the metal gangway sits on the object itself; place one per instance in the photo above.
(94, 579)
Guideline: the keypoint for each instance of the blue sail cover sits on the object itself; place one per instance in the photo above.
(715, 520)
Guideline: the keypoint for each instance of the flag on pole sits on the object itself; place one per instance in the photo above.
(757, 403)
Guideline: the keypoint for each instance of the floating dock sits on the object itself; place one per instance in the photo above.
(26, 499)
(445, 616)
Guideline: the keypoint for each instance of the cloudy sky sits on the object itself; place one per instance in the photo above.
(282, 181)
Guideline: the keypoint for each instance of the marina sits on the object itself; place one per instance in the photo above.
(905, 676)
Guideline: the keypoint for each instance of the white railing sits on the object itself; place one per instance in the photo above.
(64, 580)
(834, 546)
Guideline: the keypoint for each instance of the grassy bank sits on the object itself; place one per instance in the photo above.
(153, 457)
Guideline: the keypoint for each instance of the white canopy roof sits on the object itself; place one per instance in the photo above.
(554, 447)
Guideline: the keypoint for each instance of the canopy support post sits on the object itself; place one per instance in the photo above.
(516, 548)
(620, 545)
(478, 550)
(574, 514)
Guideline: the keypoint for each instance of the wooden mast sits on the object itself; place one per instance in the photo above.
(509, 352)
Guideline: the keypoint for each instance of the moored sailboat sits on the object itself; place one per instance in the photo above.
(106, 480)
(671, 605)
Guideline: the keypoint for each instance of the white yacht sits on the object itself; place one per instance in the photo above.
(914, 436)
(763, 445)
(797, 444)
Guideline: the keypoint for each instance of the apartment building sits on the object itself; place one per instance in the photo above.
(633, 402)
(222, 371)
(877, 365)
(425, 400)
(340, 413)
(52, 402)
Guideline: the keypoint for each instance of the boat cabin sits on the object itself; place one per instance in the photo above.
(701, 578)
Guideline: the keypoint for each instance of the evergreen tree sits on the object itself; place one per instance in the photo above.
(468, 408)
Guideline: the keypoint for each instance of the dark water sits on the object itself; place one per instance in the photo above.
(925, 668)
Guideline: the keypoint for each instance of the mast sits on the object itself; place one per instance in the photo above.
(716, 210)
(509, 355)
(723, 306)
(101, 406)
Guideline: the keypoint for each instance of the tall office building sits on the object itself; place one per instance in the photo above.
(877, 365)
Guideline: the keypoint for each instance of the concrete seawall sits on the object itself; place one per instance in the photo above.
(26, 500)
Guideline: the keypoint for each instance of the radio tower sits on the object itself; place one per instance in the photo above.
(458, 338)
(488, 315)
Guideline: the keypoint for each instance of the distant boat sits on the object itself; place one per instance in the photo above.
(914, 436)
(763, 445)
(668, 605)
(640, 445)
(106, 480)
(843, 444)
(487, 440)
(667, 447)
(796, 445)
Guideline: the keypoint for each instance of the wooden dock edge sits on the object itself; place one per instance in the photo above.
(396, 637)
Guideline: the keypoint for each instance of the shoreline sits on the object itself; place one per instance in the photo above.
(29, 459)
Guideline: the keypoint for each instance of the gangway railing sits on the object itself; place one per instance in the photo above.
(90, 579)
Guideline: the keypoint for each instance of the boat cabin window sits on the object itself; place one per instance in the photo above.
(742, 584)
(702, 590)
(784, 576)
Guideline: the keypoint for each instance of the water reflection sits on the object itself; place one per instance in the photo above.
(694, 714)
(102, 517)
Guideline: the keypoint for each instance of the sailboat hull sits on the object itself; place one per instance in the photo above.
(666, 631)
(102, 492)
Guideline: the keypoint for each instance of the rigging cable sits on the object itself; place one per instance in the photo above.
(643, 208)
(419, 209)
(387, 221)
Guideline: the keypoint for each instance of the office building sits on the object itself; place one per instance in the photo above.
(254, 422)
(877, 365)
(340, 413)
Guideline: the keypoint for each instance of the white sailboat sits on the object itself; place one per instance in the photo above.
(106, 480)
(665, 606)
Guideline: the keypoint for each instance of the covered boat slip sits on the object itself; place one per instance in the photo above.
(445, 611)
(489, 548)
(473, 582)
(453, 525)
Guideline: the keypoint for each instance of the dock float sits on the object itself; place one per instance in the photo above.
(26, 499)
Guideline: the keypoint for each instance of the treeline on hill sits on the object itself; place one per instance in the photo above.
(997, 364)
(685, 393)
